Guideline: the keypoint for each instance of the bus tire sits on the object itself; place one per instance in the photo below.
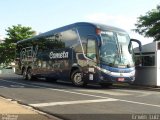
(24, 74)
(29, 75)
(76, 78)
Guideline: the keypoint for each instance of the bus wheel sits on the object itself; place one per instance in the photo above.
(24, 74)
(76, 78)
(29, 74)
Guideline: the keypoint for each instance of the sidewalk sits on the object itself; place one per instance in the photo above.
(11, 110)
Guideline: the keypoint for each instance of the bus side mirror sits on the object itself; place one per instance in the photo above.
(137, 41)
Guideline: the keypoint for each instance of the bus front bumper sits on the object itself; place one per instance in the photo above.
(104, 78)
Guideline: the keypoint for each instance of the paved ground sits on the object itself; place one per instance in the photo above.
(11, 107)
(68, 102)
(10, 110)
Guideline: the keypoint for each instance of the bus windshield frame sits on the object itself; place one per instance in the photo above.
(114, 49)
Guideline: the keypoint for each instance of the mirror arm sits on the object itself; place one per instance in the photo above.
(137, 41)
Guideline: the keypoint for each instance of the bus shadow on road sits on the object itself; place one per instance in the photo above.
(123, 86)
(59, 84)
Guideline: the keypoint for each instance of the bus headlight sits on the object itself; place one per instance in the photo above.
(132, 73)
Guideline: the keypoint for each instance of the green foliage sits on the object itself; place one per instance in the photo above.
(17, 33)
(14, 34)
(149, 24)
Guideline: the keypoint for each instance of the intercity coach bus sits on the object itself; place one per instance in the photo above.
(81, 52)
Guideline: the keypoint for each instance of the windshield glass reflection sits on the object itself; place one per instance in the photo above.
(114, 49)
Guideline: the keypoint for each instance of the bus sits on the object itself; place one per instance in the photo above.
(81, 52)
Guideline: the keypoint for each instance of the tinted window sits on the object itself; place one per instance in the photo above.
(69, 37)
(60, 40)
(148, 61)
(84, 31)
(145, 60)
(91, 48)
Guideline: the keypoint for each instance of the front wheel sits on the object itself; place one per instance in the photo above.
(76, 78)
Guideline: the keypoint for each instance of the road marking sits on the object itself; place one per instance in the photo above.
(90, 95)
(144, 95)
(17, 86)
(106, 92)
(72, 102)
(14, 82)
(141, 93)
(146, 104)
(131, 91)
(54, 89)
(3, 87)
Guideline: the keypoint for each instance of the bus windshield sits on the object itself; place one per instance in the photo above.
(114, 49)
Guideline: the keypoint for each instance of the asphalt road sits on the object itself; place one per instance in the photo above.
(65, 101)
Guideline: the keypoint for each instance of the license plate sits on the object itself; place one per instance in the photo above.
(120, 79)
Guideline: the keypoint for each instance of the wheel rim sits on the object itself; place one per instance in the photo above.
(78, 78)
(24, 74)
(29, 76)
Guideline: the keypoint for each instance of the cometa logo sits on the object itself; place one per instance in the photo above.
(53, 55)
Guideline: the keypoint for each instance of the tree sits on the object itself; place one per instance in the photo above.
(149, 25)
(14, 34)
(17, 33)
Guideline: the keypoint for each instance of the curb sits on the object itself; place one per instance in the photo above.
(138, 87)
(27, 107)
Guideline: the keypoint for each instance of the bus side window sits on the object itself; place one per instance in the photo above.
(91, 47)
(69, 38)
(84, 31)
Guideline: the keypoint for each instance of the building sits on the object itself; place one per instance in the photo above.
(148, 64)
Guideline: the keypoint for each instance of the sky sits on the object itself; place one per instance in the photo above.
(45, 15)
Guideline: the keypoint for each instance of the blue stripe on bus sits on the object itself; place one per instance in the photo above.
(122, 70)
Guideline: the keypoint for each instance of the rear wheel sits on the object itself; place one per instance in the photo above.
(29, 75)
(76, 78)
(24, 74)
